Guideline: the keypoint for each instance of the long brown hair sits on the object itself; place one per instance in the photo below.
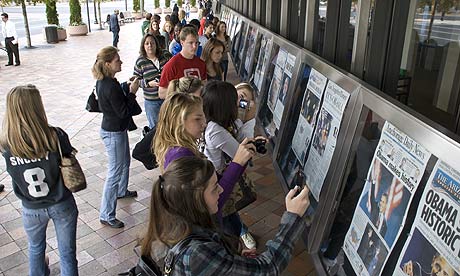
(210, 45)
(170, 130)
(177, 202)
(26, 132)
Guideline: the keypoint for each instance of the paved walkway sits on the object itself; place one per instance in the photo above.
(62, 72)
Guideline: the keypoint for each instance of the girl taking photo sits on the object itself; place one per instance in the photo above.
(183, 201)
(31, 151)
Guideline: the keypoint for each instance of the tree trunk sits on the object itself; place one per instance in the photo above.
(435, 4)
(99, 12)
(95, 15)
(26, 23)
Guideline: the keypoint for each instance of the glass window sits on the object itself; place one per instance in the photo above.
(430, 71)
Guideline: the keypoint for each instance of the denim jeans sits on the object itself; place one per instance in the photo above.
(233, 225)
(115, 39)
(64, 215)
(152, 109)
(116, 183)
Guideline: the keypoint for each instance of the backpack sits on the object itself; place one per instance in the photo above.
(142, 151)
(146, 266)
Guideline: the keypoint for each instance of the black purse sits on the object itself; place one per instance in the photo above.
(92, 104)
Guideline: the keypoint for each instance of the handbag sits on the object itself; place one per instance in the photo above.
(92, 104)
(72, 174)
(243, 194)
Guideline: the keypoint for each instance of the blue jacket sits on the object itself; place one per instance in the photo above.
(114, 26)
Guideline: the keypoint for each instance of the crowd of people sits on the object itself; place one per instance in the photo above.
(202, 138)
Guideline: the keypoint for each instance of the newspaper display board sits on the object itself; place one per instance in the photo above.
(250, 48)
(276, 80)
(325, 137)
(393, 177)
(263, 59)
(307, 117)
(434, 242)
(286, 81)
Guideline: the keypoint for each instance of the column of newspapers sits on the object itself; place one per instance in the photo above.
(307, 117)
(394, 175)
(433, 246)
(325, 137)
(284, 88)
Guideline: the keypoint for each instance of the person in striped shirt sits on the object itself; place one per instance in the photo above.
(148, 69)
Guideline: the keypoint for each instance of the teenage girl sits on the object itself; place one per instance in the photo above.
(30, 147)
(183, 201)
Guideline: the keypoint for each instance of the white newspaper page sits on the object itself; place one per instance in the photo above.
(275, 84)
(250, 48)
(433, 245)
(394, 175)
(325, 137)
(287, 77)
(307, 117)
(264, 57)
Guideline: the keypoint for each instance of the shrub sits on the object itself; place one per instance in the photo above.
(168, 3)
(179, 3)
(75, 13)
(136, 5)
(52, 16)
(157, 4)
(193, 3)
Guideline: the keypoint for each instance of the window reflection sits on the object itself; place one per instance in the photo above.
(430, 74)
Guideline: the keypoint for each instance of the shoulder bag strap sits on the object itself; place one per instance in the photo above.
(178, 249)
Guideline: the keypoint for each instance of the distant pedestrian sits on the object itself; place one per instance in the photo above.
(11, 40)
(146, 23)
(115, 27)
(176, 8)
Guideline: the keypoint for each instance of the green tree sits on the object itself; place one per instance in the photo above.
(136, 5)
(52, 15)
(193, 3)
(157, 4)
(179, 3)
(168, 3)
(75, 13)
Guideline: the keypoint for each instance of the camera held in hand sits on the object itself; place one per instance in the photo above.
(260, 145)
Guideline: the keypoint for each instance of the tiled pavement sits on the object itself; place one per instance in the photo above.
(62, 72)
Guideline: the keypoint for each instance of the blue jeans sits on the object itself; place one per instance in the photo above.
(224, 66)
(115, 39)
(152, 109)
(233, 225)
(116, 183)
(64, 215)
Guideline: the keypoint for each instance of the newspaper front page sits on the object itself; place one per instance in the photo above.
(286, 81)
(394, 175)
(433, 246)
(263, 60)
(276, 80)
(325, 137)
(307, 117)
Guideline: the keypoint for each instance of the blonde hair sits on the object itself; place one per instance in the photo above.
(184, 85)
(246, 86)
(170, 130)
(26, 132)
(181, 14)
(106, 54)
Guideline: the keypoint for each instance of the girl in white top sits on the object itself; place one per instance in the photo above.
(222, 135)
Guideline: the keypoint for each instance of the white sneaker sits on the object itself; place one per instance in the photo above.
(248, 241)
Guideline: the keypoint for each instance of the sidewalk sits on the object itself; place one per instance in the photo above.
(62, 73)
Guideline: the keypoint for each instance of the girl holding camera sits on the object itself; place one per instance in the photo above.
(222, 134)
(183, 201)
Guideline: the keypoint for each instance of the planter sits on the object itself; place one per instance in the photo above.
(193, 9)
(137, 15)
(62, 34)
(77, 30)
(158, 11)
(167, 10)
